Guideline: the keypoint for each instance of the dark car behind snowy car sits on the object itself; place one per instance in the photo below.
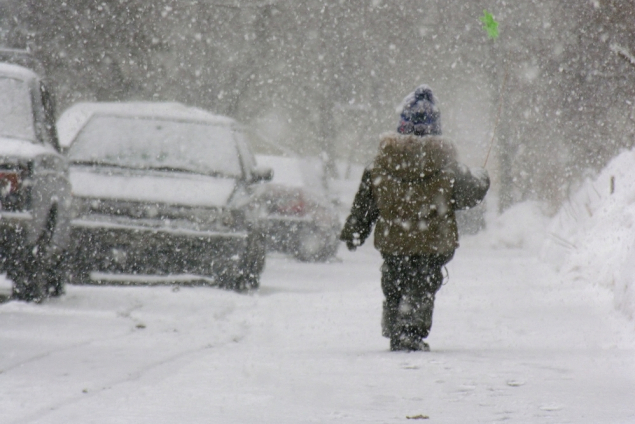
(34, 185)
(160, 188)
(301, 218)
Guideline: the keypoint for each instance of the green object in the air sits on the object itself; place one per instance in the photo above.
(490, 25)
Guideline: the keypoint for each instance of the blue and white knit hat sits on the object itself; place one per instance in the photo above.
(419, 114)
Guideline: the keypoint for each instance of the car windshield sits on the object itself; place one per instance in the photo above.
(16, 119)
(152, 143)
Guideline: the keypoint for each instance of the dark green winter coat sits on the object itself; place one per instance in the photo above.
(411, 192)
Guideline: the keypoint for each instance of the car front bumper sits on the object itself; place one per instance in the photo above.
(13, 220)
(12, 227)
(112, 245)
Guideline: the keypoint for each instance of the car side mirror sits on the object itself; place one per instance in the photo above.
(261, 174)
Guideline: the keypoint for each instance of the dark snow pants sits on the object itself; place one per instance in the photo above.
(409, 284)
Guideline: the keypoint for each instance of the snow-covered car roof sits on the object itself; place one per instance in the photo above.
(74, 118)
(16, 71)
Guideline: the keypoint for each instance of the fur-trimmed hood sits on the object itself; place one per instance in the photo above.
(409, 157)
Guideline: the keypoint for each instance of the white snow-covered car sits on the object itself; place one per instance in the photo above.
(161, 188)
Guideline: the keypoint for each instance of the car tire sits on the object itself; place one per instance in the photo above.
(78, 270)
(58, 275)
(314, 245)
(42, 275)
(252, 265)
(245, 282)
(248, 282)
(31, 281)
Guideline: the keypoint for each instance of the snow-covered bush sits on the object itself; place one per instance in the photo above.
(592, 237)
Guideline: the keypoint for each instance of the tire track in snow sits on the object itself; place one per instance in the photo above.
(125, 314)
(131, 377)
(235, 334)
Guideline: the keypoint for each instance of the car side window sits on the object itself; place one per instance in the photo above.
(16, 115)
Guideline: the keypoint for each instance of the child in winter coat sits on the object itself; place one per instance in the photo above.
(410, 194)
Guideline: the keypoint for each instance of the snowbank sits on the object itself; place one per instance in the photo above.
(520, 227)
(592, 238)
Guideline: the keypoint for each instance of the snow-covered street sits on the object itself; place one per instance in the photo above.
(511, 342)
(152, 152)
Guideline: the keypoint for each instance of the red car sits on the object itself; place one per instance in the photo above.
(301, 218)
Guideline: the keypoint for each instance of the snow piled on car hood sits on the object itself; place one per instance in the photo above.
(156, 187)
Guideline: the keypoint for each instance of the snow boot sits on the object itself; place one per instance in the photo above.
(408, 343)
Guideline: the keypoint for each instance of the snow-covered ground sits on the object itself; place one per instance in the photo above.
(515, 339)
(512, 341)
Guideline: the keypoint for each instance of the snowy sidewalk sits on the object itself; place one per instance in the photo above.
(511, 342)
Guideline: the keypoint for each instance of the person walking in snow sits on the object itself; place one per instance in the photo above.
(410, 193)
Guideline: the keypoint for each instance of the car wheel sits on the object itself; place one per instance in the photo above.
(331, 250)
(39, 275)
(245, 282)
(253, 264)
(31, 281)
(77, 269)
(58, 275)
(314, 245)
(248, 282)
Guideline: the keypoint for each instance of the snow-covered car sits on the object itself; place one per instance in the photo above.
(35, 190)
(161, 188)
(301, 218)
